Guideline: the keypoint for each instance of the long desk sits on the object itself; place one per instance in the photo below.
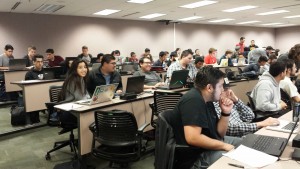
(241, 87)
(13, 75)
(85, 116)
(36, 92)
(286, 155)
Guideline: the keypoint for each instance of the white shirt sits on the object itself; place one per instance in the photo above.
(289, 87)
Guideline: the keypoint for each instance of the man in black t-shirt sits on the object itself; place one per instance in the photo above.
(197, 123)
(37, 72)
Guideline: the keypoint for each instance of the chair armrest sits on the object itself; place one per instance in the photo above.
(142, 128)
(92, 127)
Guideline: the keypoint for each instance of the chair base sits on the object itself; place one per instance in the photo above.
(73, 143)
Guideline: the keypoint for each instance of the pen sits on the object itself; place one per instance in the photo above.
(236, 165)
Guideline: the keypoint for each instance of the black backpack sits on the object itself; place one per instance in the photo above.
(18, 115)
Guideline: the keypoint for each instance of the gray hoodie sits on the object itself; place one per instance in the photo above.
(266, 94)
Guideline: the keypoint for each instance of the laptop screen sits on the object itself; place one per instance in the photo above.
(178, 79)
(17, 63)
(135, 84)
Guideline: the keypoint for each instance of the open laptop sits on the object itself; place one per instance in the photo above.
(241, 62)
(224, 62)
(128, 68)
(101, 94)
(135, 84)
(267, 144)
(284, 126)
(17, 64)
(178, 80)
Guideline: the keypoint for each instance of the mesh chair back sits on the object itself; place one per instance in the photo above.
(54, 93)
(252, 106)
(165, 101)
(116, 128)
(286, 98)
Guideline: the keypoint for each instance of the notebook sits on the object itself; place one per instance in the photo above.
(241, 62)
(135, 84)
(284, 126)
(17, 64)
(267, 144)
(224, 62)
(178, 80)
(101, 94)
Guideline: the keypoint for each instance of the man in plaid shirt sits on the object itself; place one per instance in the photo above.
(241, 116)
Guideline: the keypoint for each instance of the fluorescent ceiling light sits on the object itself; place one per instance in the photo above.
(190, 18)
(248, 22)
(152, 16)
(221, 20)
(286, 25)
(269, 24)
(273, 12)
(106, 12)
(295, 16)
(139, 1)
(198, 4)
(239, 8)
(48, 8)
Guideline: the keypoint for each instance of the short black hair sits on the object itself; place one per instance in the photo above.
(199, 59)
(262, 59)
(290, 63)
(242, 38)
(99, 55)
(8, 46)
(276, 68)
(185, 53)
(132, 53)
(50, 51)
(147, 50)
(162, 53)
(107, 58)
(37, 56)
(173, 54)
(208, 75)
(115, 52)
(84, 47)
(294, 52)
(196, 50)
(141, 60)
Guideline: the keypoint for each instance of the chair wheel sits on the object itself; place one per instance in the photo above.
(47, 157)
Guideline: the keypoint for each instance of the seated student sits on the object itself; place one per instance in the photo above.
(6, 56)
(161, 60)
(133, 58)
(152, 80)
(106, 74)
(211, 57)
(199, 62)
(29, 57)
(257, 68)
(74, 88)
(85, 55)
(286, 84)
(54, 60)
(173, 58)
(241, 116)
(99, 57)
(198, 124)
(266, 93)
(37, 71)
(228, 54)
(184, 64)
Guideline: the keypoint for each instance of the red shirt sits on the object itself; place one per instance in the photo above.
(242, 46)
(56, 61)
(210, 59)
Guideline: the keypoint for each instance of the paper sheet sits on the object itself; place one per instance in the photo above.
(68, 106)
(251, 157)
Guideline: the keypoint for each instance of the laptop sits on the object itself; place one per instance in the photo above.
(224, 62)
(241, 62)
(101, 94)
(135, 84)
(268, 144)
(17, 64)
(178, 80)
(284, 126)
(157, 68)
(128, 68)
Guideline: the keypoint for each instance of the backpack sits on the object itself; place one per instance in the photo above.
(18, 115)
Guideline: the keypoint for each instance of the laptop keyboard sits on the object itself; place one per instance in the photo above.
(289, 126)
(262, 143)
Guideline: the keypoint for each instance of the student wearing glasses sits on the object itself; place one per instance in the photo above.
(152, 80)
(106, 74)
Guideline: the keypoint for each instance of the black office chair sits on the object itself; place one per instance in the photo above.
(169, 154)
(260, 115)
(163, 101)
(286, 98)
(121, 141)
(54, 92)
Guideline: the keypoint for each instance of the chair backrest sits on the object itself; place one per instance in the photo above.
(286, 98)
(116, 128)
(165, 101)
(54, 93)
(252, 105)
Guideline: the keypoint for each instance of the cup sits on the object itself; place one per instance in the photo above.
(41, 76)
(296, 110)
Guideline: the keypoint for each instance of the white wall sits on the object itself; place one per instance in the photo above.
(67, 34)
(287, 38)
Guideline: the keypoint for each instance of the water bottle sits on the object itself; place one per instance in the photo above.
(296, 110)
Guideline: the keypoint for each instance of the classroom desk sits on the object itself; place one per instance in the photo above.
(233, 68)
(241, 87)
(85, 115)
(13, 75)
(290, 164)
(36, 92)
